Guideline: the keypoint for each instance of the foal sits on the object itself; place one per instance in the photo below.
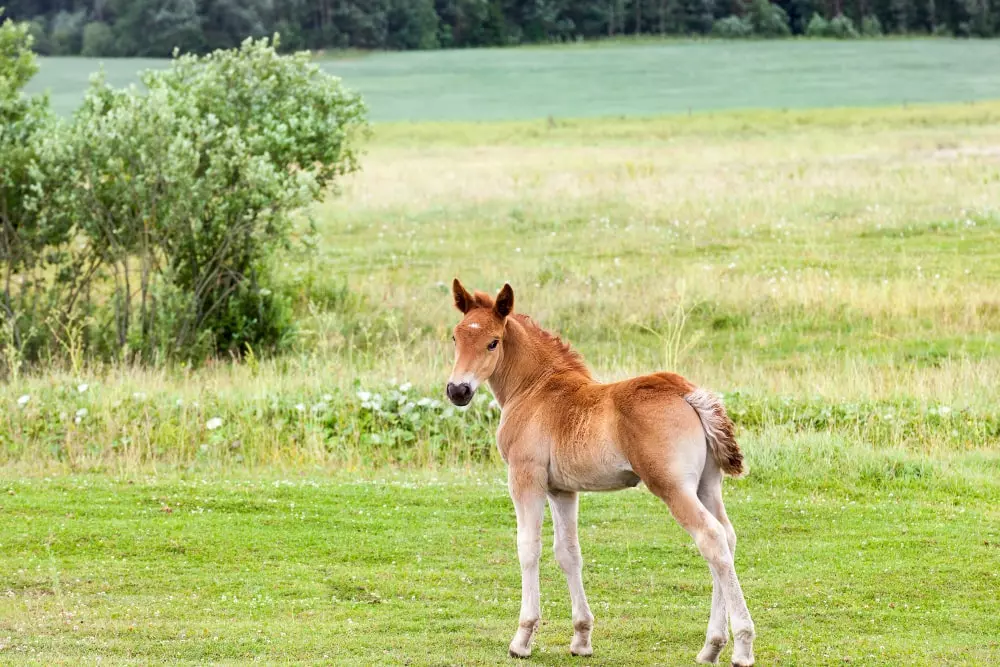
(562, 432)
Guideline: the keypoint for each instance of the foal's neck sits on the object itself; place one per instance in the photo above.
(527, 360)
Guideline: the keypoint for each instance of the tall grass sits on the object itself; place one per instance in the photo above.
(836, 275)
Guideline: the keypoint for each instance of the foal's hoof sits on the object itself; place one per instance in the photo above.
(743, 662)
(518, 653)
(581, 652)
(709, 655)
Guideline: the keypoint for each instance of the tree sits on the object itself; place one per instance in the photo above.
(98, 40)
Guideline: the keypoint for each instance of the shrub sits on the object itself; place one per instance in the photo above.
(768, 20)
(818, 27)
(842, 27)
(186, 190)
(732, 27)
(30, 249)
(175, 199)
(98, 40)
(40, 39)
(871, 26)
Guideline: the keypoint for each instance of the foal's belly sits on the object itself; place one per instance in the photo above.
(600, 470)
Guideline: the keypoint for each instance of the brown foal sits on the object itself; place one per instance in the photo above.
(562, 432)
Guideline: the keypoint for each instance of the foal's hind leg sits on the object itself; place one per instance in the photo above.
(713, 543)
(710, 495)
(567, 550)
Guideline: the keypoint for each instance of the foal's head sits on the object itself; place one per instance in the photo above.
(478, 339)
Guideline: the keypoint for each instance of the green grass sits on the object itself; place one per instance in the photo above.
(835, 272)
(630, 79)
(866, 563)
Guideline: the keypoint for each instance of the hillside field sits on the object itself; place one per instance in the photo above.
(835, 273)
(640, 79)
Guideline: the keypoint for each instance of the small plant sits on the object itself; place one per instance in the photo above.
(842, 27)
(818, 26)
(732, 27)
(871, 26)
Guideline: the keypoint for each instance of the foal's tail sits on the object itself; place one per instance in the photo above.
(718, 431)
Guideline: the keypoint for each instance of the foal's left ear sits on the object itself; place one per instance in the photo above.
(504, 304)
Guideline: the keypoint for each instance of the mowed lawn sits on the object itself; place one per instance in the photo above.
(627, 79)
(421, 569)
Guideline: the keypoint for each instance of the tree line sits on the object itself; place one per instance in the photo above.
(154, 28)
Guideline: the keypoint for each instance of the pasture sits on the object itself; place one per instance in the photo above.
(835, 273)
(627, 79)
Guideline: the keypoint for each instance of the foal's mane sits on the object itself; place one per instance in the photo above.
(567, 359)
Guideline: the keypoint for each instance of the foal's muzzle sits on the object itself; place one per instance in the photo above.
(460, 394)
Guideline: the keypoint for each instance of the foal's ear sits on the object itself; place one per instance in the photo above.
(463, 300)
(504, 305)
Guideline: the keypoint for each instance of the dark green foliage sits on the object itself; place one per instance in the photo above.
(156, 27)
(818, 27)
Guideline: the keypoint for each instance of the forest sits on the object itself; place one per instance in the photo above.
(154, 28)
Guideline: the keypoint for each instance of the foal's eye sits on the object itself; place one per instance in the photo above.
(493, 345)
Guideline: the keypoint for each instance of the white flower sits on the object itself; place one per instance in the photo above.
(23, 400)
(943, 410)
(327, 398)
(319, 407)
(82, 412)
(365, 395)
(264, 292)
(424, 402)
(139, 395)
(180, 402)
(405, 386)
(300, 407)
(213, 423)
(82, 387)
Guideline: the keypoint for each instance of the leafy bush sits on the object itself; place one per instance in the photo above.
(768, 20)
(732, 27)
(871, 26)
(174, 199)
(98, 40)
(818, 27)
(842, 27)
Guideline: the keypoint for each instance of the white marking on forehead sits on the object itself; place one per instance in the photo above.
(473, 325)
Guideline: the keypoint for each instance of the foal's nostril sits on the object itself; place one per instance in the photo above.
(459, 394)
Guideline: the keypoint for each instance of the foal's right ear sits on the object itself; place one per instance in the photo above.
(463, 300)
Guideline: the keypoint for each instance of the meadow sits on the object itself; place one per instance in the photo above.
(835, 273)
(629, 79)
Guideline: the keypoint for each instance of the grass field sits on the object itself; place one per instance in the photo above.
(836, 273)
(640, 79)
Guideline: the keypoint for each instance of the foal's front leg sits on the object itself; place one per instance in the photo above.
(528, 492)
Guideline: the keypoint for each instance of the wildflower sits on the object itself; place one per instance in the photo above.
(943, 410)
(300, 407)
(319, 407)
(424, 402)
(139, 395)
(365, 395)
(80, 414)
(327, 398)
(82, 387)
(180, 402)
(213, 423)
(405, 387)
(23, 400)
